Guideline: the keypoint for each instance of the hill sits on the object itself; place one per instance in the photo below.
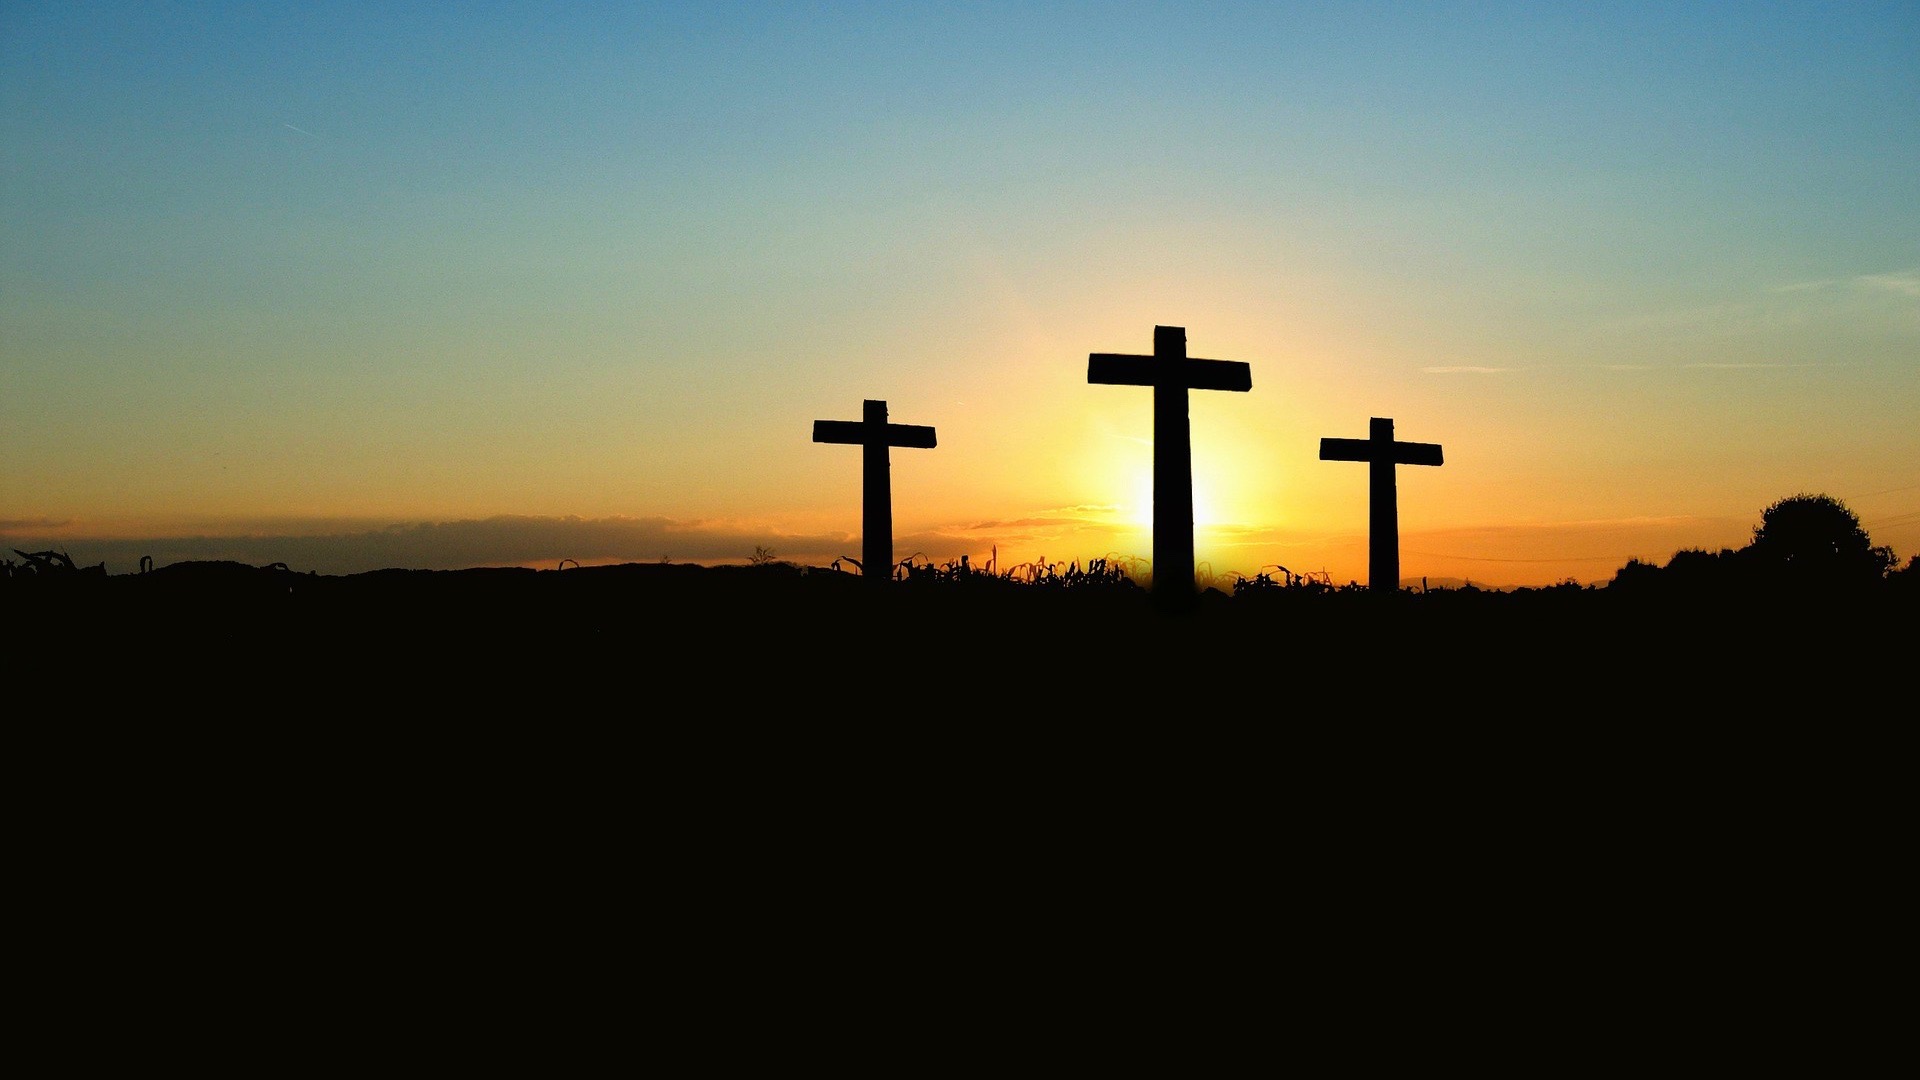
(738, 741)
(774, 634)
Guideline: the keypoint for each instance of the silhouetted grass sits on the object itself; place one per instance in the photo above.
(535, 734)
(953, 633)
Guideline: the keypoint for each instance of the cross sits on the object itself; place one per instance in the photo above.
(874, 435)
(1171, 374)
(1383, 507)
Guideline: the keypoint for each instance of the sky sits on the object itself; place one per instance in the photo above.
(350, 286)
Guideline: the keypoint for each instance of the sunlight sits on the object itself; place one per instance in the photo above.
(1139, 509)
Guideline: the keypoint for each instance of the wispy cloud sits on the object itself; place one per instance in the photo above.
(452, 545)
(1906, 283)
(1902, 282)
(544, 542)
(1794, 314)
(1071, 516)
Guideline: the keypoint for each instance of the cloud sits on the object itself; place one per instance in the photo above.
(1905, 284)
(1796, 317)
(1464, 369)
(341, 548)
(1000, 524)
(1902, 282)
(450, 545)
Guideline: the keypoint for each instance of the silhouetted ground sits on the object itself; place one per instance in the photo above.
(627, 681)
(712, 781)
(777, 642)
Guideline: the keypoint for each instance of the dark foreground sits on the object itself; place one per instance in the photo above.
(780, 642)
(655, 674)
(714, 787)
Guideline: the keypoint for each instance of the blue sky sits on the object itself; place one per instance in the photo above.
(574, 281)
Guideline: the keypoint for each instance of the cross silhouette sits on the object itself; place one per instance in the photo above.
(1383, 501)
(1171, 374)
(874, 436)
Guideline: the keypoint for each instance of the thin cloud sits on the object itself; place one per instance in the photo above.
(1052, 515)
(1789, 310)
(1901, 282)
(1632, 520)
(1613, 560)
(453, 545)
(1905, 284)
(1072, 516)
(540, 542)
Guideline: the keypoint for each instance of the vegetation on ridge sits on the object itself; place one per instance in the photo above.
(1805, 545)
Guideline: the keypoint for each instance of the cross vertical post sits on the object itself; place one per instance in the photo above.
(1383, 500)
(1171, 373)
(874, 436)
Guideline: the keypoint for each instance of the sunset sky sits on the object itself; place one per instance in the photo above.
(362, 285)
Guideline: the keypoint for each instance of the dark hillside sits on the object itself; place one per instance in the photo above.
(724, 761)
(774, 636)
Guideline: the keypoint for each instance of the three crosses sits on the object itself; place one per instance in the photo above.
(1171, 373)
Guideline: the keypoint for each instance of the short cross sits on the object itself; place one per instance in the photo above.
(1383, 513)
(874, 435)
(1171, 374)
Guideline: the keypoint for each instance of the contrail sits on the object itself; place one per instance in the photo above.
(301, 130)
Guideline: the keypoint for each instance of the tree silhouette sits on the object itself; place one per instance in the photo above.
(1805, 545)
(1815, 542)
(1906, 580)
(1698, 572)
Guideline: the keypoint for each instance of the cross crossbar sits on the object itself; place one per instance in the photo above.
(1193, 373)
(1400, 453)
(860, 433)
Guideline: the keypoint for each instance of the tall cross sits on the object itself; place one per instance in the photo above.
(1383, 503)
(874, 435)
(1171, 374)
